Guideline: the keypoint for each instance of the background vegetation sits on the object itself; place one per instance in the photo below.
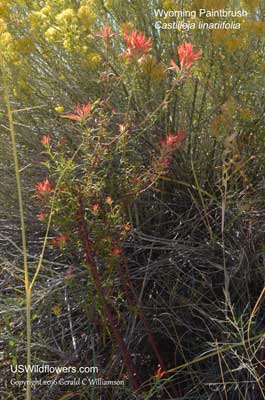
(153, 268)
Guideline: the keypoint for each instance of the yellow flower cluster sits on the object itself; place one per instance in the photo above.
(51, 34)
(46, 10)
(6, 40)
(4, 9)
(36, 18)
(59, 109)
(86, 15)
(67, 43)
(65, 17)
(3, 25)
(65, 25)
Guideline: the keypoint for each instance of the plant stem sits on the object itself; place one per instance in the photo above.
(23, 231)
(28, 327)
(89, 258)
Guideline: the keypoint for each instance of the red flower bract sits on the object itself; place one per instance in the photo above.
(170, 139)
(95, 208)
(60, 240)
(45, 140)
(41, 216)
(82, 112)
(172, 142)
(43, 187)
(186, 56)
(105, 33)
(159, 373)
(116, 251)
(137, 44)
(166, 162)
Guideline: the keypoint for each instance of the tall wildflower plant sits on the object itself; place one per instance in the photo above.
(90, 212)
(87, 202)
(143, 140)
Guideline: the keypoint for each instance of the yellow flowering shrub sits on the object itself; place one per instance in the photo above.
(47, 10)
(52, 34)
(3, 25)
(86, 15)
(6, 41)
(66, 17)
(4, 9)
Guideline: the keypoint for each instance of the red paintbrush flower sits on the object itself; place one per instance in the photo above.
(45, 140)
(171, 139)
(159, 373)
(44, 187)
(166, 162)
(105, 33)
(172, 142)
(41, 216)
(116, 251)
(82, 112)
(127, 227)
(186, 56)
(95, 208)
(137, 45)
(60, 240)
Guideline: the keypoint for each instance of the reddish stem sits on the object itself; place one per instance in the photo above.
(90, 261)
